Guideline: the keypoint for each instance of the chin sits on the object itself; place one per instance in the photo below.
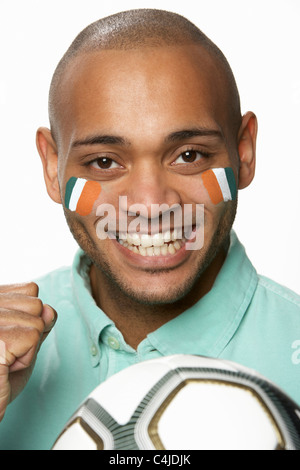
(158, 297)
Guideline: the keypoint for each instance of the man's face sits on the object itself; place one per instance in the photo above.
(146, 124)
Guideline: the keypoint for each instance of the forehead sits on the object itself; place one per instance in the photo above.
(139, 91)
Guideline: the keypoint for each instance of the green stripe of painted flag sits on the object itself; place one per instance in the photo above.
(69, 188)
(231, 182)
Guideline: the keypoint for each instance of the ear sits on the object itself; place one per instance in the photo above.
(49, 156)
(247, 149)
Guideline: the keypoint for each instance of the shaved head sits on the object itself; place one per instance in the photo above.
(138, 29)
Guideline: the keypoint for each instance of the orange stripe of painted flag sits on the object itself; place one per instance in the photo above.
(212, 186)
(89, 195)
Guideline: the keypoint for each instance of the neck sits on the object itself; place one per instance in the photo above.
(136, 320)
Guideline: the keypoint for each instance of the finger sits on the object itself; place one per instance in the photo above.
(20, 345)
(29, 288)
(21, 303)
(4, 388)
(24, 362)
(49, 317)
(13, 318)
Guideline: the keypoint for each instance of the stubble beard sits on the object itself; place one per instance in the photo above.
(120, 289)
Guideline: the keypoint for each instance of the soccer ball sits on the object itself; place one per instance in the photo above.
(184, 402)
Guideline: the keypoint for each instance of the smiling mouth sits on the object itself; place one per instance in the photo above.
(159, 244)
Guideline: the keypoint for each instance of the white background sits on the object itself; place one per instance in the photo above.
(261, 40)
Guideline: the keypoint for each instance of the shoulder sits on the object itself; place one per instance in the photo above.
(50, 278)
(275, 306)
(55, 285)
(280, 295)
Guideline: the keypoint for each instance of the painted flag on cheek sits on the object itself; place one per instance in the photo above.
(220, 184)
(81, 195)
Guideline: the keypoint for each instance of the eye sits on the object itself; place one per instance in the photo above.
(189, 156)
(104, 163)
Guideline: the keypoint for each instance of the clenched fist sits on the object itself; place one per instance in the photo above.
(25, 322)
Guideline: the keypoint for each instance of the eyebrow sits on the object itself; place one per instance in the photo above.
(100, 139)
(176, 136)
(195, 132)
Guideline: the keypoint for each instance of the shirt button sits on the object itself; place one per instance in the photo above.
(113, 342)
(94, 350)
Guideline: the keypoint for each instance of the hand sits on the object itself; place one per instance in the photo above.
(25, 322)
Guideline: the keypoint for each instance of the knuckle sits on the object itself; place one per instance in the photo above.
(36, 305)
(31, 288)
(18, 323)
(34, 334)
(40, 303)
(20, 303)
(39, 325)
(27, 288)
(17, 341)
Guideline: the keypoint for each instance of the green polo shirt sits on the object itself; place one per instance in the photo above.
(245, 318)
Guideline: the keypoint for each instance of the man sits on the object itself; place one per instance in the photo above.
(143, 108)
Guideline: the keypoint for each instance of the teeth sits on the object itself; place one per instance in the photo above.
(164, 250)
(150, 251)
(157, 250)
(174, 235)
(133, 239)
(166, 243)
(146, 240)
(167, 237)
(142, 251)
(171, 249)
(176, 245)
(158, 239)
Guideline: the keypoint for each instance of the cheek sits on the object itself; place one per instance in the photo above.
(81, 195)
(220, 184)
(215, 186)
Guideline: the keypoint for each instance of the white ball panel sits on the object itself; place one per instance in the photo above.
(135, 383)
(214, 416)
(75, 438)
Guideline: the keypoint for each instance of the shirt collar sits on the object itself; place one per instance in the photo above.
(204, 329)
(207, 327)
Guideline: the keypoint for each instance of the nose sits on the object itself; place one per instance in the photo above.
(150, 190)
